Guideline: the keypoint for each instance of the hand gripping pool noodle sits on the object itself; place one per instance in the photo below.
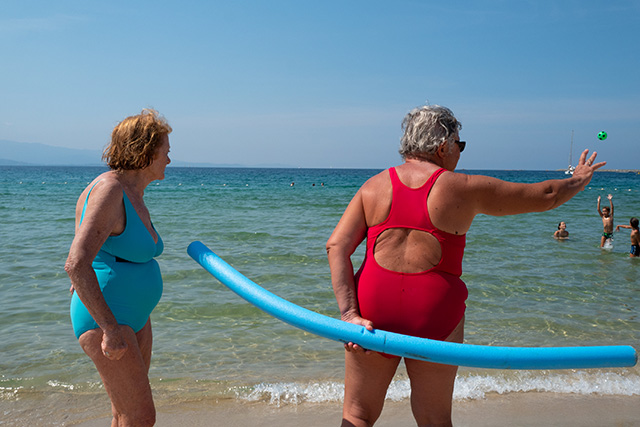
(478, 356)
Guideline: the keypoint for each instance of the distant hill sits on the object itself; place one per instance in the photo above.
(35, 154)
(30, 153)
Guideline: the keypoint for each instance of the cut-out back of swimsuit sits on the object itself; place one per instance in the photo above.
(429, 303)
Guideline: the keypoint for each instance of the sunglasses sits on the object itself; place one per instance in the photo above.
(461, 145)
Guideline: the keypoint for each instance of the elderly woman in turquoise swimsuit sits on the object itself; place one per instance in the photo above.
(415, 218)
(115, 280)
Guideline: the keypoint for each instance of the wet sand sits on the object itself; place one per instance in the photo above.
(515, 409)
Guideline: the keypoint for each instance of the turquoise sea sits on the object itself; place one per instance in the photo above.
(525, 289)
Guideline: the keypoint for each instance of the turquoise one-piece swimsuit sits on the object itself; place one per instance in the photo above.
(128, 275)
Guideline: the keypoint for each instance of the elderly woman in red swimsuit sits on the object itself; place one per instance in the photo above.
(415, 217)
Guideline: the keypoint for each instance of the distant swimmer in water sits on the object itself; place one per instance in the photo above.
(607, 220)
(561, 233)
(635, 236)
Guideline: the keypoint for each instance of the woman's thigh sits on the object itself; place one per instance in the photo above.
(367, 377)
(432, 386)
(125, 380)
(145, 342)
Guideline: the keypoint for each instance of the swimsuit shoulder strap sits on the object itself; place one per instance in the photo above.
(398, 185)
(409, 205)
(393, 174)
(434, 176)
(395, 180)
(84, 208)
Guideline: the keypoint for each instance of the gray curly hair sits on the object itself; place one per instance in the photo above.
(425, 129)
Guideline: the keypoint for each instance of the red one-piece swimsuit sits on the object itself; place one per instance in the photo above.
(428, 304)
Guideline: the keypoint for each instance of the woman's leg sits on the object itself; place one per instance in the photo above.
(125, 380)
(145, 342)
(367, 377)
(432, 387)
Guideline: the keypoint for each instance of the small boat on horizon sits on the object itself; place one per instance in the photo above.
(570, 168)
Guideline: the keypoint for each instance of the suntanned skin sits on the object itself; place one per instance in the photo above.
(561, 233)
(607, 218)
(121, 356)
(635, 235)
(454, 202)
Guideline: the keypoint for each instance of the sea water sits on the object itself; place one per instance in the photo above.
(525, 288)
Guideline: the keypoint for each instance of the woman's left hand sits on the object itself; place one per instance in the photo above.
(355, 348)
(357, 320)
(114, 346)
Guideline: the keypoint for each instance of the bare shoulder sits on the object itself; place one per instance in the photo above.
(377, 183)
(107, 182)
(475, 194)
(377, 179)
(480, 185)
(460, 182)
(375, 198)
(105, 189)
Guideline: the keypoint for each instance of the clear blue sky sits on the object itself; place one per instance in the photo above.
(327, 83)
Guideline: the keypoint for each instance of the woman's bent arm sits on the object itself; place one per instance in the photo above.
(346, 237)
(103, 214)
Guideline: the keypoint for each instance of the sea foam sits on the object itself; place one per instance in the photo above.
(469, 387)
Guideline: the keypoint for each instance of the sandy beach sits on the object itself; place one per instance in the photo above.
(516, 409)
